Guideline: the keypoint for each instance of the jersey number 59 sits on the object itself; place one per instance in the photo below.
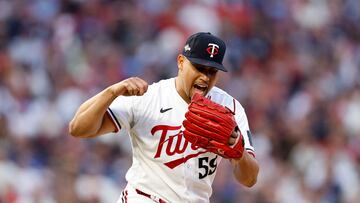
(209, 167)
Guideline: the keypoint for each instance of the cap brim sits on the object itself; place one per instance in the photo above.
(207, 63)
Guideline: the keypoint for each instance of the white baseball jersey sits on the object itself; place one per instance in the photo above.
(164, 163)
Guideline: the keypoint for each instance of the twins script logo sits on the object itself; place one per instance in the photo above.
(173, 144)
(212, 49)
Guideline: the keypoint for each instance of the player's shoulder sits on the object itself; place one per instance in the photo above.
(220, 96)
(160, 85)
(152, 95)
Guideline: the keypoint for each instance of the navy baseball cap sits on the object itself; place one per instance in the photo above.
(203, 48)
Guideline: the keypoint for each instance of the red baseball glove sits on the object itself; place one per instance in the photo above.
(209, 125)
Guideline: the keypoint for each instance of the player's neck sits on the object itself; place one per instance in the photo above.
(181, 91)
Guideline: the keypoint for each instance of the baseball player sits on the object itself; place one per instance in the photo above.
(176, 146)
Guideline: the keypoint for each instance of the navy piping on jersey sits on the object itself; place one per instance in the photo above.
(250, 151)
(117, 123)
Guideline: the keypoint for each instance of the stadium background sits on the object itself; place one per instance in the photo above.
(295, 66)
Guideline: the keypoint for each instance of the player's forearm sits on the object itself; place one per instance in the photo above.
(89, 117)
(246, 169)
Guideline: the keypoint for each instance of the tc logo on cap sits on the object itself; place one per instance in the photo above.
(212, 49)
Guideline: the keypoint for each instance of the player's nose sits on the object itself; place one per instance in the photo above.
(205, 78)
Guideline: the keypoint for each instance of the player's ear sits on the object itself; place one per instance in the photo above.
(180, 61)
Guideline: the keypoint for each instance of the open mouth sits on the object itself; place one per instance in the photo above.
(200, 88)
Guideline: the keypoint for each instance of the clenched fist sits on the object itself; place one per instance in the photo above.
(133, 86)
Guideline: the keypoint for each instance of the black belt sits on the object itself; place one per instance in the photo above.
(156, 199)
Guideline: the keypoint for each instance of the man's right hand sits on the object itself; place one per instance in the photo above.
(133, 86)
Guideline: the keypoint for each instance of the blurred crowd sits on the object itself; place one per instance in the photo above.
(295, 67)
